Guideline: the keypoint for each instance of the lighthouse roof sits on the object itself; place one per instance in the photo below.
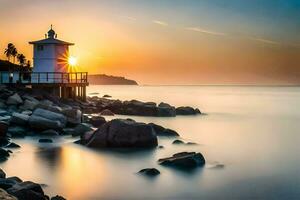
(51, 41)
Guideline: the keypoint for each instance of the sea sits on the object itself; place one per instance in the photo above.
(249, 136)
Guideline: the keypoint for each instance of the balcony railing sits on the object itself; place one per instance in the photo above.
(43, 77)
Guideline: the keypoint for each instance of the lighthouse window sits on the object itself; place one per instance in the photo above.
(40, 47)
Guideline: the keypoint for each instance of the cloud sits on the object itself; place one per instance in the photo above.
(264, 40)
(162, 23)
(200, 30)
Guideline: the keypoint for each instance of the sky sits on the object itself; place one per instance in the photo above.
(167, 42)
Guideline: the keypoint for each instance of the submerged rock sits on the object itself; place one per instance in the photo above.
(184, 160)
(106, 96)
(161, 131)
(177, 142)
(123, 133)
(149, 172)
(4, 154)
(45, 140)
(13, 145)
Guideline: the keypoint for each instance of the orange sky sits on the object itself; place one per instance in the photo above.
(162, 44)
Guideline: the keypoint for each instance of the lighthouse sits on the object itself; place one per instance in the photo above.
(50, 54)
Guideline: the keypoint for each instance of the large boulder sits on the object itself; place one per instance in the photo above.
(19, 119)
(3, 128)
(121, 133)
(27, 191)
(5, 196)
(41, 123)
(14, 99)
(53, 116)
(184, 160)
(74, 116)
(161, 131)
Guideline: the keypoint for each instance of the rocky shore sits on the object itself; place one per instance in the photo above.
(25, 112)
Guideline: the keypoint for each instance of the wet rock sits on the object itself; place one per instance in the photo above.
(2, 174)
(4, 141)
(177, 142)
(57, 197)
(149, 172)
(15, 99)
(27, 191)
(74, 116)
(161, 131)
(186, 110)
(29, 105)
(19, 119)
(13, 145)
(50, 115)
(49, 132)
(41, 123)
(121, 133)
(82, 128)
(3, 128)
(4, 154)
(14, 179)
(3, 112)
(184, 160)
(107, 112)
(45, 140)
(26, 112)
(5, 183)
(97, 121)
(5, 196)
(16, 131)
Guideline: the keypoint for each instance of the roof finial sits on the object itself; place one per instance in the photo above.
(51, 26)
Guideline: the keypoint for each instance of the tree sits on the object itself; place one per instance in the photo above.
(9, 50)
(28, 64)
(14, 53)
(21, 58)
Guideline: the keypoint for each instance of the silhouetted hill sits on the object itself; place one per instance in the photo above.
(8, 66)
(103, 79)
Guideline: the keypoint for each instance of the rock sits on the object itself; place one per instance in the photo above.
(14, 179)
(177, 142)
(5, 118)
(3, 128)
(107, 112)
(2, 105)
(106, 96)
(2, 174)
(49, 132)
(13, 145)
(162, 104)
(4, 154)
(97, 121)
(26, 112)
(184, 160)
(198, 111)
(41, 123)
(191, 143)
(6, 183)
(121, 133)
(16, 131)
(68, 131)
(185, 110)
(74, 116)
(49, 107)
(5, 196)
(15, 99)
(82, 128)
(160, 147)
(29, 105)
(57, 197)
(149, 172)
(161, 131)
(50, 115)
(166, 112)
(3, 112)
(19, 119)
(27, 191)
(4, 141)
(45, 140)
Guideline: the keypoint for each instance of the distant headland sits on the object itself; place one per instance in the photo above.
(103, 79)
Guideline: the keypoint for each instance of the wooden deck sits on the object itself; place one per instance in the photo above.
(63, 84)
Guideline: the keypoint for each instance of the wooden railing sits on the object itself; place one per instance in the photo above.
(43, 77)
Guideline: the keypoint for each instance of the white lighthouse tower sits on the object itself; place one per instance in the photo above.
(50, 54)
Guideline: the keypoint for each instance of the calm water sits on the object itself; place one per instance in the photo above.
(253, 131)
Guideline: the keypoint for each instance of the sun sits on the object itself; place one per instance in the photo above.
(72, 60)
